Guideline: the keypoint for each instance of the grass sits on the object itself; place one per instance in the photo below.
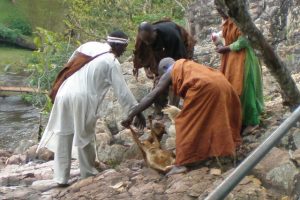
(8, 11)
(13, 59)
(48, 14)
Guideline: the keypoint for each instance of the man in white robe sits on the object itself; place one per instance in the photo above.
(76, 106)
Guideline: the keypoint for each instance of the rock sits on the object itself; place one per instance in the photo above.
(103, 139)
(170, 143)
(124, 137)
(4, 153)
(216, 172)
(101, 127)
(116, 153)
(16, 159)
(24, 145)
(31, 153)
(296, 137)
(130, 180)
(254, 190)
(111, 110)
(277, 170)
(43, 185)
(296, 190)
(42, 154)
(45, 154)
(80, 184)
(277, 19)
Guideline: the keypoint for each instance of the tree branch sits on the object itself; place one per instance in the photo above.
(238, 11)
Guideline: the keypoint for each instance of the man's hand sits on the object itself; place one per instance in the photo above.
(127, 122)
(222, 49)
(140, 121)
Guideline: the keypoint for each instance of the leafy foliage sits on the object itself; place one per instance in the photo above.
(9, 34)
(88, 21)
(12, 19)
(20, 25)
(93, 20)
(45, 63)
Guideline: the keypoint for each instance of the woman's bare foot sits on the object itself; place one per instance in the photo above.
(177, 170)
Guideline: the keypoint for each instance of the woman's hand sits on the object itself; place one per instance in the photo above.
(222, 49)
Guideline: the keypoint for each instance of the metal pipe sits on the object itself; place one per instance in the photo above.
(254, 158)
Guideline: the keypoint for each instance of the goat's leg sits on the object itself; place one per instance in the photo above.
(138, 142)
(153, 134)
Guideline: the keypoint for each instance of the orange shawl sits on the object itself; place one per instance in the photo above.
(232, 63)
(210, 121)
(76, 63)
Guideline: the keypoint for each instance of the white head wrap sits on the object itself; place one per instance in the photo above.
(117, 40)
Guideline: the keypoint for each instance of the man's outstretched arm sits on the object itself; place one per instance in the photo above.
(162, 85)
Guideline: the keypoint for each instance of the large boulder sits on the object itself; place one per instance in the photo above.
(278, 171)
(111, 111)
(131, 180)
(277, 19)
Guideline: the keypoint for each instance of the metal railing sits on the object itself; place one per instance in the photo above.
(254, 158)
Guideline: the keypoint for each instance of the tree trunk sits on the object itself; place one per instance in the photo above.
(239, 13)
(21, 42)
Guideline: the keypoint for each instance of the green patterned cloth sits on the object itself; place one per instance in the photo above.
(252, 95)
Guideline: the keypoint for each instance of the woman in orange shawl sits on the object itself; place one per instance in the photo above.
(242, 69)
(210, 120)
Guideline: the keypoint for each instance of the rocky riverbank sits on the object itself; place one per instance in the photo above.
(123, 174)
(27, 175)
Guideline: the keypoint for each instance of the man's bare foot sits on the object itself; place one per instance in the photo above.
(249, 129)
(177, 170)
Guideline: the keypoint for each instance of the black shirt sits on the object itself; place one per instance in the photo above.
(169, 41)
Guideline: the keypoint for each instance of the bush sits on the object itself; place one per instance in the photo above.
(9, 34)
(93, 20)
(21, 25)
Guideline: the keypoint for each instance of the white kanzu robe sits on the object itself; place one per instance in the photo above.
(78, 100)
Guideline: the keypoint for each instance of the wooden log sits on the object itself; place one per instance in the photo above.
(21, 89)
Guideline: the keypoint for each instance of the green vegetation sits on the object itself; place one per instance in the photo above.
(13, 59)
(9, 11)
(48, 14)
(20, 19)
(13, 24)
(93, 20)
(45, 64)
(84, 21)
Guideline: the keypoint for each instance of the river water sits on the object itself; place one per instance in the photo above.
(18, 120)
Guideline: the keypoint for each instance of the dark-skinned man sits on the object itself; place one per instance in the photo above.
(77, 94)
(210, 121)
(156, 41)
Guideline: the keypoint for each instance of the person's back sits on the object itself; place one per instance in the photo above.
(158, 40)
(91, 79)
(191, 74)
(81, 86)
(209, 122)
(169, 40)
